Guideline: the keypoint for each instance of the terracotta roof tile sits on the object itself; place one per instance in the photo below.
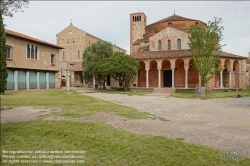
(175, 17)
(175, 54)
(248, 61)
(17, 34)
(76, 66)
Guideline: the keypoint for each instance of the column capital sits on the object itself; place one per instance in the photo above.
(172, 69)
(159, 69)
(147, 69)
(186, 68)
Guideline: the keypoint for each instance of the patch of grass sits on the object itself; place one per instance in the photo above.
(129, 93)
(180, 139)
(105, 145)
(210, 95)
(69, 105)
(5, 108)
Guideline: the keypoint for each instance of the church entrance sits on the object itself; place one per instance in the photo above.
(167, 78)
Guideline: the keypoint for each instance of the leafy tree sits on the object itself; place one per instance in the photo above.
(120, 66)
(91, 57)
(205, 48)
(3, 64)
(10, 6)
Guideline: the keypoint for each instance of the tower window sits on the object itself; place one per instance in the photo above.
(159, 45)
(169, 44)
(179, 44)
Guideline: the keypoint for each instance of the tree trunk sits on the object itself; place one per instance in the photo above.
(124, 86)
(103, 84)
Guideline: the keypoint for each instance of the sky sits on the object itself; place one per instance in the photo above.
(109, 20)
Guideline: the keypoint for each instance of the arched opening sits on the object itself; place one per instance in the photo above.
(179, 44)
(193, 75)
(166, 76)
(153, 74)
(170, 24)
(179, 74)
(159, 45)
(169, 44)
(217, 75)
(236, 73)
(142, 75)
(226, 74)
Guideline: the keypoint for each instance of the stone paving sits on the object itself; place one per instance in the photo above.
(221, 123)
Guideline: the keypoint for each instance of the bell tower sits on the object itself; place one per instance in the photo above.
(138, 23)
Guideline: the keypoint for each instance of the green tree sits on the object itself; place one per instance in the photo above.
(10, 6)
(91, 57)
(205, 48)
(3, 64)
(120, 66)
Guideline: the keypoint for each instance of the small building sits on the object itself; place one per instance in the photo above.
(31, 63)
(75, 41)
(162, 51)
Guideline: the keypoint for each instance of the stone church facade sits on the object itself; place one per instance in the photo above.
(161, 49)
(75, 40)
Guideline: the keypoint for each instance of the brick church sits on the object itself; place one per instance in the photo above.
(162, 51)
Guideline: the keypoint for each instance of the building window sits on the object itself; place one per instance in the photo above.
(53, 59)
(169, 44)
(170, 24)
(8, 52)
(159, 45)
(78, 54)
(32, 51)
(63, 55)
(179, 44)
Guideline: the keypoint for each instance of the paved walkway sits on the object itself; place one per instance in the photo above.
(220, 123)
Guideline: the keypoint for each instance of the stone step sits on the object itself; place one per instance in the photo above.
(162, 90)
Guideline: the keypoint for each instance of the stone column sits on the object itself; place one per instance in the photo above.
(37, 80)
(47, 80)
(67, 80)
(186, 77)
(172, 77)
(221, 79)
(159, 78)
(27, 80)
(230, 79)
(15, 81)
(147, 78)
(93, 81)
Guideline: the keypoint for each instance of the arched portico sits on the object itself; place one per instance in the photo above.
(193, 76)
(153, 74)
(141, 75)
(166, 73)
(236, 71)
(179, 75)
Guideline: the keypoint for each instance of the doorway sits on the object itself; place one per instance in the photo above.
(167, 78)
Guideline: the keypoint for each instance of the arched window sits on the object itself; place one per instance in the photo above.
(169, 44)
(170, 24)
(159, 45)
(179, 44)
(78, 54)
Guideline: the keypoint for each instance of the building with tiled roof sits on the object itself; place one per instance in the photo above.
(162, 51)
(31, 63)
(75, 40)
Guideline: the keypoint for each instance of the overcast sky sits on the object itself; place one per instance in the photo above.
(109, 20)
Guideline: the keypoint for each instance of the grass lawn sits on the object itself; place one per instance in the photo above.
(70, 105)
(130, 93)
(210, 95)
(107, 146)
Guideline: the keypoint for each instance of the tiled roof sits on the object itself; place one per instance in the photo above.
(17, 34)
(175, 17)
(175, 54)
(248, 61)
(76, 66)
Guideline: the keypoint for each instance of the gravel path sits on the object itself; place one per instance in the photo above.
(220, 123)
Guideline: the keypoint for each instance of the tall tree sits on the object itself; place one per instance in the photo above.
(10, 6)
(3, 64)
(205, 48)
(91, 57)
(120, 66)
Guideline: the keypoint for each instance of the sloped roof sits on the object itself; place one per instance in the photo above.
(17, 34)
(175, 17)
(76, 66)
(176, 54)
(248, 61)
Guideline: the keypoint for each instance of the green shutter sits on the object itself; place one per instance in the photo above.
(32, 80)
(21, 79)
(10, 80)
(42, 80)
